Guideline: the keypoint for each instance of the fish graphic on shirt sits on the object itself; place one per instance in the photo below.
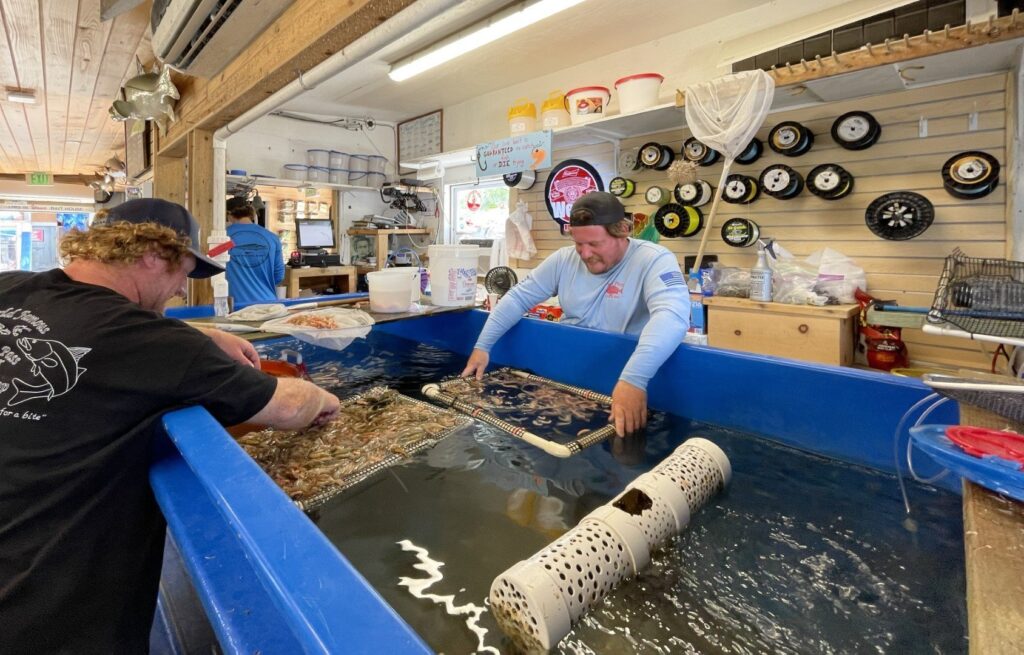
(54, 362)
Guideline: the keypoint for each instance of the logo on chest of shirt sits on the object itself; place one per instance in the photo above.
(613, 290)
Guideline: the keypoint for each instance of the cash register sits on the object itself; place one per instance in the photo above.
(313, 236)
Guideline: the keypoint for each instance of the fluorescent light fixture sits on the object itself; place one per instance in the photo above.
(501, 24)
(24, 97)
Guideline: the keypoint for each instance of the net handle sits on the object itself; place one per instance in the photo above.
(576, 391)
(434, 392)
(711, 216)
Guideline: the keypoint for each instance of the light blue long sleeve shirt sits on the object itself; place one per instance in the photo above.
(644, 294)
(256, 266)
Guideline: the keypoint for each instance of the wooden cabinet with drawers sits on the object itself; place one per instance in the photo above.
(816, 334)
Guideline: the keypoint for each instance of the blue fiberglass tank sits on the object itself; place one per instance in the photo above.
(248, 548)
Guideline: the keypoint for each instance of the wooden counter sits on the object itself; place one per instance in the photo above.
(293, 277)
(816, 334)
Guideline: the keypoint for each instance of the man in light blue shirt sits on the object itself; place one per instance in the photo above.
(607, 281)
(256, 266)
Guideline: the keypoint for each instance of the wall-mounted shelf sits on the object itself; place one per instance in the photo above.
(382, 242)
(296, 184)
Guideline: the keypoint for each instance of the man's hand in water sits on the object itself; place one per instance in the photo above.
(477, 364)
(629, 408)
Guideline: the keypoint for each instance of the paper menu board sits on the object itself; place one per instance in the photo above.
(420, 137)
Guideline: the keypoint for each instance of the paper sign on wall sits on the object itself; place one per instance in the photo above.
(524, 152)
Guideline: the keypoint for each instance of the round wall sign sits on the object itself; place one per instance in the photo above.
(568, 181)
(473, 201)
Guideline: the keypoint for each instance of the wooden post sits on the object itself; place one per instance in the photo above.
(200, 200)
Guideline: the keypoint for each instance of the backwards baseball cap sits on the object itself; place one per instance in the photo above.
(596, 208)
(168, 214)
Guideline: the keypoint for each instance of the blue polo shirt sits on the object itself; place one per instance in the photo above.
(644, 294)
(256, 266)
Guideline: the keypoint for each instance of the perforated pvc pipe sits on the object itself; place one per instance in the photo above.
(537, 601)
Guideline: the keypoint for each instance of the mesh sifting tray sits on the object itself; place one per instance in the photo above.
(372, 431)
(981, 296)
(999, 395)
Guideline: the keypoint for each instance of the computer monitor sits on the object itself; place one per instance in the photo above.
(312, 233)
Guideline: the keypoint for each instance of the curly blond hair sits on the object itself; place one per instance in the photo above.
(124, 243)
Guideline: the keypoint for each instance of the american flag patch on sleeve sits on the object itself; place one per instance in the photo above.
(672, 279)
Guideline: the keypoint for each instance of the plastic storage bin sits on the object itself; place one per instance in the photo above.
(376, 164)
(375, 179)
(553, 112)
(393, 290)
(522, 117)
(359, 163)
(339, 159)
(637, 92)
(318, 157)
(318, 174)
(338, 176)
(587, 103)
(294, 172)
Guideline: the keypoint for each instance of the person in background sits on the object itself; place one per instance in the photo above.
(88, 366)
(610, 282)
(257, 265)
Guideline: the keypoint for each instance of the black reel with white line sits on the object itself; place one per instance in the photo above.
(856, 130)
(695, 194)
(781, 182)
(523, 181)
(899, 215)
(674, 220)
(751, 153)
(697, 152)
(830, 181)
(656, 156)
(740, 189)
(970, 175)
(740, 232)
(790, 138)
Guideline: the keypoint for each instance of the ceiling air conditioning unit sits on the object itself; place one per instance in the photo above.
(201, 37)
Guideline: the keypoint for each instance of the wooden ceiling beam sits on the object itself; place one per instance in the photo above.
(307, 33)
(58, 25)
(21, 19)
(895, 51)
(90, 43)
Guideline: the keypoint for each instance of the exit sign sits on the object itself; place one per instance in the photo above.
(39, 178)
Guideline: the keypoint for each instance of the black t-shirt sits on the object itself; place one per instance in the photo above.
(85, 375)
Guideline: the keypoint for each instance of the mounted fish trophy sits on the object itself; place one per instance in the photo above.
(150, 96)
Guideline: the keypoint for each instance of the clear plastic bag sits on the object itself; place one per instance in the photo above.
(733, 282)
(333, 327)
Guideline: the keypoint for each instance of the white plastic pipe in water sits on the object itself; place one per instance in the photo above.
(537, 601)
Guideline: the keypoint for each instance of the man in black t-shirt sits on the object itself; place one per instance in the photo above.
(88, 365)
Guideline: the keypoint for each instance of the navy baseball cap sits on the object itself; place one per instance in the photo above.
(596, 208)
(172, 215)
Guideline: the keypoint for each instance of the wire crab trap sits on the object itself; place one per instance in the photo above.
(372, 431)
(997, 394)
(982, 297)
(507, 399)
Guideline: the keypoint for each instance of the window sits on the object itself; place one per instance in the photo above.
(478, 210)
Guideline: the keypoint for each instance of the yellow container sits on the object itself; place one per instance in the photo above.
(553, 112)
(522, 117)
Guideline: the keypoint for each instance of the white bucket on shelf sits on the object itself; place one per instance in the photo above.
(339, 159)
(318, 157)
(359, 163)
(357, 177)
(637, 92)
(376, 164)
(453, 275)
(588, 103)
(375, 179)
(338, 176)
(294, 171)
(318, 174)
(393, 290)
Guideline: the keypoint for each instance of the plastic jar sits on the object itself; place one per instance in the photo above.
(637, 92)
(338, 176)
(587, 103)
(522, 117)
(318, 174)
(294, 172)
(318, 157)
(339, 159)
(553, 112)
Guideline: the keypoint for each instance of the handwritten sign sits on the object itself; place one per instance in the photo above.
(525, 152)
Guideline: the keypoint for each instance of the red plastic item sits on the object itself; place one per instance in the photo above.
(982, 441)
(220, 248)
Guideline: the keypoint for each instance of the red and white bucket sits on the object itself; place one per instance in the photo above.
(587, 103)
(638, 92)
